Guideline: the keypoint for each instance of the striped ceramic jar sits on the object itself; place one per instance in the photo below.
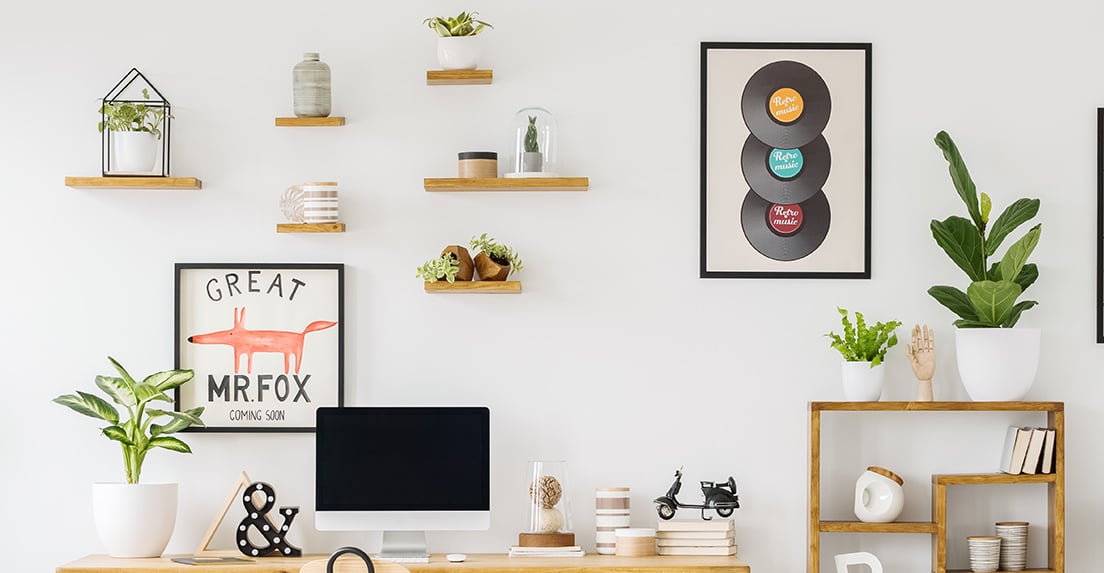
(320, 202)
(611, 513)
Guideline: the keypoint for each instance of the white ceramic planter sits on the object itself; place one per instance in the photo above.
(458, 52)
(861, 383)
(878, 498)
(134, 520)
(133, 151)
(997, 364)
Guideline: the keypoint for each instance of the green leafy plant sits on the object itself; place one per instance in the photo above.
(464, 24)
(132, 117)
(498, 253)
(531, 145)
(990, 300)
(137, 434)
(444, 267)
(860, 343)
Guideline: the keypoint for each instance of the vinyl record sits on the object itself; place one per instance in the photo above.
(785, 176)
(785, 232)
(786, 104)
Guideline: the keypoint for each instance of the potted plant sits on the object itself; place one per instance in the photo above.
(863, 349)
(136, 519)
(531, 159)
(457, 44)
(135, 130)
(447, 267)
(495, 261)
(995, 361)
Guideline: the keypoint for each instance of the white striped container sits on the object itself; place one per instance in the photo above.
(611, 513)
(320, 202)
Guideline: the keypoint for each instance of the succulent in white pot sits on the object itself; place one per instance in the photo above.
(458, 44)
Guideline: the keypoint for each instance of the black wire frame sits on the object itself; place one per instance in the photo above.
(166, 122)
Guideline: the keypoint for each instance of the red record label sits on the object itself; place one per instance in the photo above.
(785, 219)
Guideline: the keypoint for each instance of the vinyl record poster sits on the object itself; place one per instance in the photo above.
(265, 341)
(785, 166)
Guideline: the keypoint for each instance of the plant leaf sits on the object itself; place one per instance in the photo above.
(1028, 274)
(122, 372)
(955, 300)
(986, 207)
(963, 183)
(170, 443)
(963, 323)
(145, 393)
(118, 434)
(1016, 257)
(168, 379)
(89, 405)
(961, 241)
(1015, 215)
(993, 300)
(117, 389)
(1014, 316)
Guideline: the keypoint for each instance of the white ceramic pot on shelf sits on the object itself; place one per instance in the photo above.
(879, 495)
(133, 151)
(458, 52)
(861, 383)
(134, 520)
(997, 364)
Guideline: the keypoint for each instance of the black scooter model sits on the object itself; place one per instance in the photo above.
(720, 497)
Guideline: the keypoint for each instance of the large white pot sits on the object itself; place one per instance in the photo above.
(861, 383)
(997, 364)
(134, 520)
(458, 52)
(133, 151)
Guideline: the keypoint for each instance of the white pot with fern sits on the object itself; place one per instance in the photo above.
(136, 519)
(458, 42)
(135, 130)
(863, 349)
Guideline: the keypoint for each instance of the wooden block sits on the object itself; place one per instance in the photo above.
(546, 539)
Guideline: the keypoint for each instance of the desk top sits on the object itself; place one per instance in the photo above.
(491, 562)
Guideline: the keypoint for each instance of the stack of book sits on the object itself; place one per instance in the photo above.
(696, 537)
(1028, 451)
(567, 551)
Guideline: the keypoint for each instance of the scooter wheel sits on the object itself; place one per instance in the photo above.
(665, 511)
(724, 511)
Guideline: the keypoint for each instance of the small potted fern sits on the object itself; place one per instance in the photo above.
(495, 261)
(864, 349)
(454, 264)
(457, 40)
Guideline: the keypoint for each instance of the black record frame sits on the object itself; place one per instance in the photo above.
(1100, 225)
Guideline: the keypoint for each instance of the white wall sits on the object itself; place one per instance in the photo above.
(615, 342)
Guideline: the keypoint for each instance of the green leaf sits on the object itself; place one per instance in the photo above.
(993, 300)
(955, 300)
(1014, 316)
(963, 323)
(963, 183)
(1027, 277)
(986, 207)
(168, 379)
(170, 443)
(961, 241)
(122, 372)
(1015, 215)
(117, 389)
(89, 405)
(145, 393)
(118, 434)
(1016, 256)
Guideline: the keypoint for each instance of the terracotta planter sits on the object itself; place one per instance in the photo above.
(467, 269)
(490, 270)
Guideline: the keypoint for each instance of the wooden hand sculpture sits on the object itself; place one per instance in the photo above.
(921, 355)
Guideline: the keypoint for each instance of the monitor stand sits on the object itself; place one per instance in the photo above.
(404, 547)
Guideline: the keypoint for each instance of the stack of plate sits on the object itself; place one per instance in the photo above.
(1013, 547)
(985, 553)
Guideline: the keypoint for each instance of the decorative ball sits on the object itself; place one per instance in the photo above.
(549, 520)
(549, 491)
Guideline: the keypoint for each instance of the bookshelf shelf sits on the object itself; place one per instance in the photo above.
(310, 227)
(937, 528)
(134, 182)
(459, 77)
(489, 287)
(459, 184)
(310, 121)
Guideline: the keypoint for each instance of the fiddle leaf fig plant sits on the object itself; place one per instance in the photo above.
(137, 434)
(861, 343)
(464, 24)
(990, 301)
(498, 253)
(126, 116)
(444, 267)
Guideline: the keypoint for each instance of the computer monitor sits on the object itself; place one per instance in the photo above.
(403, 470)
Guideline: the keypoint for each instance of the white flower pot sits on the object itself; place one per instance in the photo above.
(861, 383)
(134, 520)
(133, 151)
(458, 52)
(997, 364)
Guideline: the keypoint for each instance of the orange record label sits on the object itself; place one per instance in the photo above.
(786, 105)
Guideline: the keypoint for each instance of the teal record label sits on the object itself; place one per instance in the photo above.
(785, 163)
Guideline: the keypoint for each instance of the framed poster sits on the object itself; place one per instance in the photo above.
(785, 160)
(1100, 225)
(266, 342)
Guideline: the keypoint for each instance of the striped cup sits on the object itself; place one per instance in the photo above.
(320, 202)
(611, 513)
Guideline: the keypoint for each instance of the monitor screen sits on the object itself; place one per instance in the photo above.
(402, 467)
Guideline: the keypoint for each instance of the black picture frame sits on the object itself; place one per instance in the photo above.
(283, 297)
(837, 211)
(1100, 225)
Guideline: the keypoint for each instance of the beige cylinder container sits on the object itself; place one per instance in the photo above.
(478, 165)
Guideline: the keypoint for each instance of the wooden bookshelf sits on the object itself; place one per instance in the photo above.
(459, 184)
(459, 77)
(133, 182)
(488, 287)
(310, 121)
(937, 528)
(310, 227)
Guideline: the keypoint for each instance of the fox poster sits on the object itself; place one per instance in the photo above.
(265, 341)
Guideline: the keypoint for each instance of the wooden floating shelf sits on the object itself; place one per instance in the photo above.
(310, 121)
(134, 182)
(459, 77)
(937, 406)
(1002, 571)
(994, 478)
(459, 184)
(926, 527)
(490, 287)
(310, 227)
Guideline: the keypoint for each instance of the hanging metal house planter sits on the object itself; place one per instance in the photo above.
(135, 124)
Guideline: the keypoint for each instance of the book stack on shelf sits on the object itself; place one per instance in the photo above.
(690, 537)
(566, 551)
(1028, 451)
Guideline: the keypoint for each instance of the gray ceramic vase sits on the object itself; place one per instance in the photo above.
(310, 83)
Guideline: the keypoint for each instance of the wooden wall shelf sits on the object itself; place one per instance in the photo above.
(937, 528)
(134, 182)
(489, 287)
(310, 121)
(310, 227)
(459, 77)
(458, 184)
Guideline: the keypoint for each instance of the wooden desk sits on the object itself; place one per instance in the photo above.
(490, 562)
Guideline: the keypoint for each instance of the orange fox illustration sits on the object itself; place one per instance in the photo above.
(247, 342)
